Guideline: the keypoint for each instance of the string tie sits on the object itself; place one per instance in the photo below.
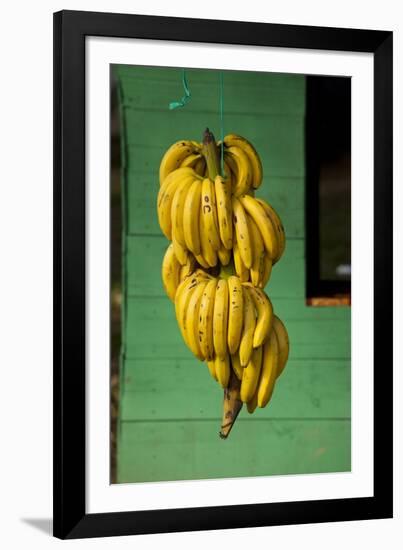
(182, 102)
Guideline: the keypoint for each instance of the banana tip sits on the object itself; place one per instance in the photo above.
(226, 428)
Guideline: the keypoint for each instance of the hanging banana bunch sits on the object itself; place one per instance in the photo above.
(224, 244)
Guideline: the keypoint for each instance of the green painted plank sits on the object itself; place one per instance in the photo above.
(144, 259)
(279, 141)
(145, 254)
(183, 389)
(154, 451)
(285, 194)
(205, 99)
(129, 75)
(314, 332)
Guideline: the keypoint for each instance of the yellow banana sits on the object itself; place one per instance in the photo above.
(202, 261)
(205, 328)
(240, 268)
(250, 375)
(191, 217)
(180, 252)
(174, 157)
(177, 208)
(224, 210)
(263, 222)
(228, 174)
(188, 268)
(166, 195)
(283, 344)
(278, 226)
(252, 404)
(268, 374)
(220, 319)
(224, 255)
(268, 263)
(222, 369)
(217, 243)
(170, 272)
(209, 213)
(192, 320)
(232, 140)
(264, 314)
(200, 166)
(231, 169)
(236, 365)
(191, 160)
(242, 232)
(194, 279)
(243, 170)
(178, 173)
(211, 368)
(207, 250)
(248, 331)
(183, 295)
(235, 315)
(258, 265)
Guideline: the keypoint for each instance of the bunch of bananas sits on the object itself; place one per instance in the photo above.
(203, 219)
(224, 245)
(241, 161)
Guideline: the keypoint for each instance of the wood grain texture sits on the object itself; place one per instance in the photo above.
(310, 388)
(152, 451)
(170, 407)
(283, 144)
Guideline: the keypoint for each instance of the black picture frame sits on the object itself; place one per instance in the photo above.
(70, 517)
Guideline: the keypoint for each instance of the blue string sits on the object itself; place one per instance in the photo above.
(182, 102)
(222, 120)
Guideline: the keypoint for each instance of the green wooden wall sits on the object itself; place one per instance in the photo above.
(170, 407)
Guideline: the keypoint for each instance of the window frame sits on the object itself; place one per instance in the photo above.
(318, 291)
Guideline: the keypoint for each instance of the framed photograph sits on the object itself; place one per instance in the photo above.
(223, 274)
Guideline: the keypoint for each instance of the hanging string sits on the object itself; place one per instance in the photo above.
(182, 102)
(222, 120)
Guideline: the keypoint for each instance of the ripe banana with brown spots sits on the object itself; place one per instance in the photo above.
(248, 330)
(224, 210)
(264, 309)
(250, 375)
(175, 156)
(233, 140)
(205, 328)
(264, 223)
(235, 315)
(220, 319)
(171, 270)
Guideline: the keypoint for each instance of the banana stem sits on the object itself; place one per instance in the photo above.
(227, 270)
(232, 405)
(210, 153)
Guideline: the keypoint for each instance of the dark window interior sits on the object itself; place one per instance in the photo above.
(328, 186)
